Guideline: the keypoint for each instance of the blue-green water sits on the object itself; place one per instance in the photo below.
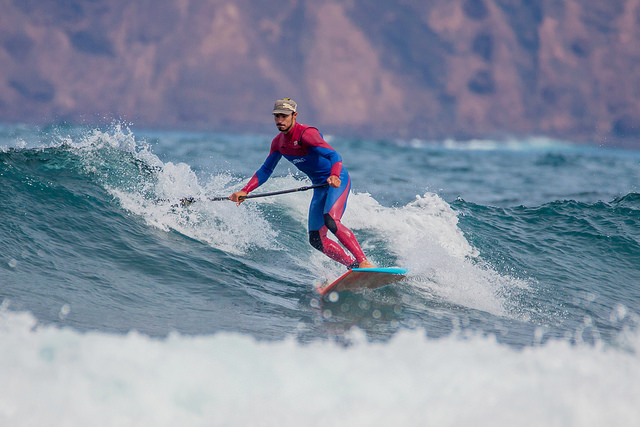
(524, 256)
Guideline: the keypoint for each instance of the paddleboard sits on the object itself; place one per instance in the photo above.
(359, 278)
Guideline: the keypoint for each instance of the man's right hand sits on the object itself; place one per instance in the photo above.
(238, 197)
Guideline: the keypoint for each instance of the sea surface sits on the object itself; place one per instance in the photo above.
(119, 307)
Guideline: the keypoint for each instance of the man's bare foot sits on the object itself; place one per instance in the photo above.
(365, 264)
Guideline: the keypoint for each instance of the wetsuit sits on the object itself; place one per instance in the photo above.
(304, 147)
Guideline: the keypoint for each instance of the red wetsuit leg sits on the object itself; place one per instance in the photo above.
(332, 249)
(348, 239)
(344, 235)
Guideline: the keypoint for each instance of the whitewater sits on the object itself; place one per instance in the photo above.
(120, 307)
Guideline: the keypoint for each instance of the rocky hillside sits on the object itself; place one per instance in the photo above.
(401, 68)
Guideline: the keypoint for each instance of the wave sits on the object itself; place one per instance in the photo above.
(422, 235)
(604, 230)
(92, 218)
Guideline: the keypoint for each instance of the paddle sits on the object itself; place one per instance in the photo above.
(188, 200)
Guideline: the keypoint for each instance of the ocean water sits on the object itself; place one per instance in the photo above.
(119, 307)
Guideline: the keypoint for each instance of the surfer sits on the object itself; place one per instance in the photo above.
(308, 151)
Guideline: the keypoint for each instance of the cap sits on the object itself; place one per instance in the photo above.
(285, 106)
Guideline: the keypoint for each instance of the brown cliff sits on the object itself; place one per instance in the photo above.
(404, 68)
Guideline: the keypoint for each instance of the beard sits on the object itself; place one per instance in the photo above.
(284, 128)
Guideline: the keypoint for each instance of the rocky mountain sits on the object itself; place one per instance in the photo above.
(398, 68)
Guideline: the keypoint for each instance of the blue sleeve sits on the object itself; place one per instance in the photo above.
(328, 153)
(268, 166)
(333, 159)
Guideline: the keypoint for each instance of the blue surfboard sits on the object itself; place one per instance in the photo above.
(359, 278)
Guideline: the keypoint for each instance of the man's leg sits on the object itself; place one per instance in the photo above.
(335, 206)
(345, 236)
(318, 230)
(320, 241)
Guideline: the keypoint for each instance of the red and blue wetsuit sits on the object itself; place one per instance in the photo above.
(308, 151)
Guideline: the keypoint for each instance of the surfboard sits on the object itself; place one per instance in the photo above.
(359, 278)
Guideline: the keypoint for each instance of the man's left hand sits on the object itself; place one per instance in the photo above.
(334, 181)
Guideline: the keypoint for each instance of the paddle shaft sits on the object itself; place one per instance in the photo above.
(273, 193)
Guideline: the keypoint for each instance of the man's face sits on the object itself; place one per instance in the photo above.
(285, 122)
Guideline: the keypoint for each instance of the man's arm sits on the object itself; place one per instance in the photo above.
(259, 177)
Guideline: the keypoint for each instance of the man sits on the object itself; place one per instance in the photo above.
(307, 150)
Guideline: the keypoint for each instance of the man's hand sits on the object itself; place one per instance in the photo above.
(334, 181)
(238, 197)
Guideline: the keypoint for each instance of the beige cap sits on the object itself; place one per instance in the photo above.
(285, 106)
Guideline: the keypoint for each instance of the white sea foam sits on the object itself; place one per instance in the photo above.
(155, 197)
(54, 376)
(427, 240)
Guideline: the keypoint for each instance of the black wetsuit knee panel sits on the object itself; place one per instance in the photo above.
(315, 240)
(330, 223)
